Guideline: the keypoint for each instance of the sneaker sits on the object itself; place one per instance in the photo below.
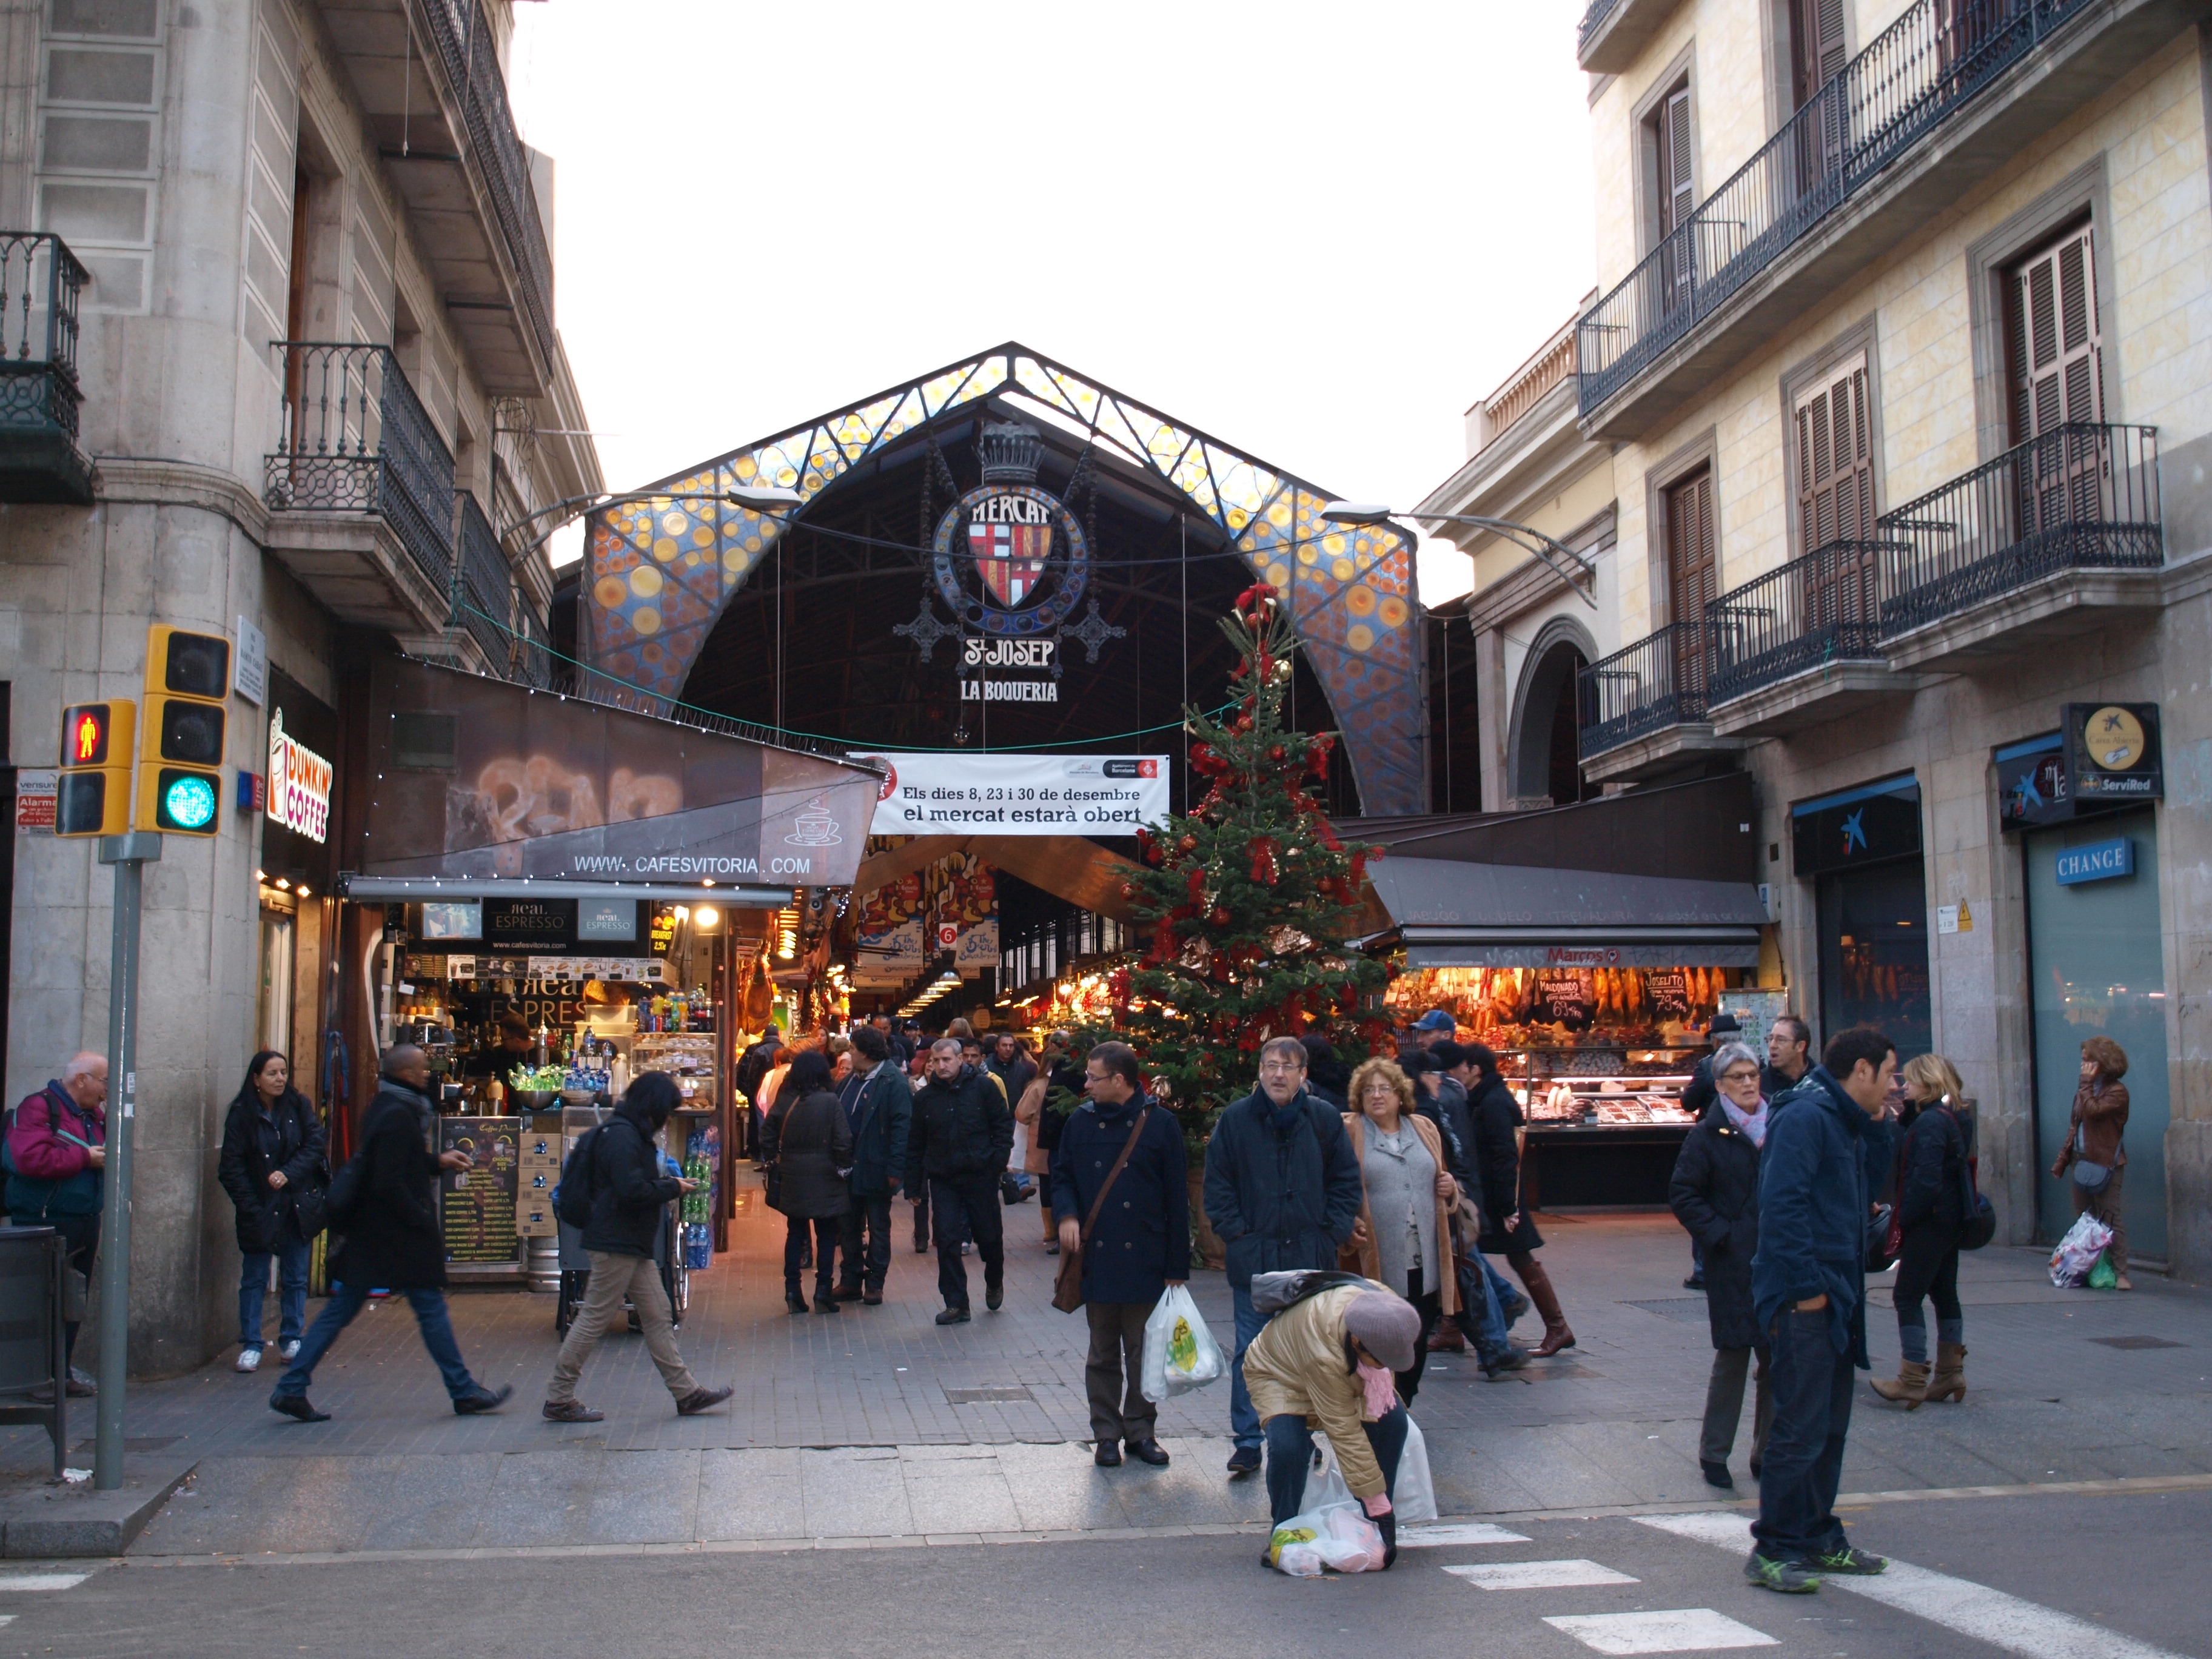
(249, 1360)
(296, 1406)
(1857, 1562)
(570, 1411)
(701, 1400)
(967, 1247)
(1244, 1460)
(290, 1351)
(953, 1316)
(1784, 1577)
(481, 1399)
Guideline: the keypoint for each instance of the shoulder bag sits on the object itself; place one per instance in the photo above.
(1981, 1220)
(1067, 1288)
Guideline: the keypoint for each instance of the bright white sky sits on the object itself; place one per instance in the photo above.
(1317, 232)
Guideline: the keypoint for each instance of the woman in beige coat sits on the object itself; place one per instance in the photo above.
(1403, 1174)
(1329, 1360)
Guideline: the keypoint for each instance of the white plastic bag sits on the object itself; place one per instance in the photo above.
(1180, 1352)
(2078, 1251)
(1340, 1536)
(1414, 1495)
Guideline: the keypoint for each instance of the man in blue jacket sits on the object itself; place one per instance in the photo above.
(1283, 1190)
(1140, 1246)
(880, 1110)
(1826, 1148)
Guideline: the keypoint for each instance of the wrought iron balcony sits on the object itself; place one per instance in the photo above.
(1823, 609)
(40, 460)
(1912, 78)
(357, 440)
(1593, 20)
(2079, 498)
(1658, 682)
(471, 62)
(483, 599)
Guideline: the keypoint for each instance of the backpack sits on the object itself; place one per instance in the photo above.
(573, 1192)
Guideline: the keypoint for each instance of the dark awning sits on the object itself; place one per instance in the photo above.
(1504, 915)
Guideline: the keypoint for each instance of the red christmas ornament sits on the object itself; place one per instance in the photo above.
(1187, 845)
(1219, 916)
(1244, 723)
(1264, 867)
(1276, 753)
(1130, 890)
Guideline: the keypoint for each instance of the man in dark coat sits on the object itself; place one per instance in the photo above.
(392, 1241)
(881, 1114)
(1140, 1246)
(1283, 1190)
(621, 1168)
(960, 1139)
(1809, 1295)
(1714, 1193)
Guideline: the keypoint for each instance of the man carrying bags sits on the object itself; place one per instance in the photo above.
(1120, 1187)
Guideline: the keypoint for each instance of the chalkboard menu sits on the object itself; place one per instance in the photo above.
(1669, 993)
(477, 1207)
(1564, 997)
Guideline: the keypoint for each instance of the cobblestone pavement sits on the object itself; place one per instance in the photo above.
(877, 1422)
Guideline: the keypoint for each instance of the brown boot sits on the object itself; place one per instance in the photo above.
(1447, 1339)
(1949, 1381)
(1911, 1386)
(1538, 1285)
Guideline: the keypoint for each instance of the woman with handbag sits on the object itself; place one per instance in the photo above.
(272, 1154)
(1931, 1220)
(1403, 1237)
(807, 1144)
(2095, 1150)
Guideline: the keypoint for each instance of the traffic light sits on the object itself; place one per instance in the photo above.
(94, 796)
(180, 753)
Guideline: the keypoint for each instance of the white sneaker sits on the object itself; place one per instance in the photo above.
(249, 1360)
(290, 1350)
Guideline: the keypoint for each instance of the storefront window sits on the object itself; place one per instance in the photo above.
(2095, 964)
(273, 1019)
(1874, 953)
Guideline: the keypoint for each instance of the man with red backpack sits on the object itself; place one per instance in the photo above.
(55, 1149)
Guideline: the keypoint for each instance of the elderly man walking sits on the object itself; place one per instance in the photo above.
(1283, 1190)
(1116, 1147)
(57, 1159)
(392, 1241)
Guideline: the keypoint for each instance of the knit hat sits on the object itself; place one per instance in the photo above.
(1387, 1326)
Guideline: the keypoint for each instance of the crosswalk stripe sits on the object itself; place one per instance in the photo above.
(1677, 1630)
(1989, 1615)
(1457, 1532)
(1539, 1575)
(12, 1582)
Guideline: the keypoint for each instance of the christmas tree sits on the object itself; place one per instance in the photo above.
(1250, 899)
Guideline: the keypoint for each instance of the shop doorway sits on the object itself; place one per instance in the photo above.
(1874, 953)
(273, 1018)
(2096, 965)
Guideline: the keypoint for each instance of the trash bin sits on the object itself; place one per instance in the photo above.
(32, 1348)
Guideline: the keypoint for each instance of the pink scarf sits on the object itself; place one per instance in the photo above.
(1381, 1389)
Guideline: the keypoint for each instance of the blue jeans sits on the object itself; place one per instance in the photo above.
(1811, 1386)
(291, 1254)
(1291, 1453)
(348, 1300)
(1480, 1314)
(1243, 1421)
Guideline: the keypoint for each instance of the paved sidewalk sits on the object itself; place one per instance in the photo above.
(876, 1423)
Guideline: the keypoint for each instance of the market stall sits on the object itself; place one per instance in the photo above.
(1594, 990)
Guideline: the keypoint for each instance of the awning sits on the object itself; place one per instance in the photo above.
(1503, 915)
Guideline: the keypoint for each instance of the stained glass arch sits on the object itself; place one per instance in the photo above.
(659, 572)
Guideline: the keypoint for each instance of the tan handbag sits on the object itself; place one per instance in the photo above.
(1067, 1287)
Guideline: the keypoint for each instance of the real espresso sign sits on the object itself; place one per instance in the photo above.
(545, 925)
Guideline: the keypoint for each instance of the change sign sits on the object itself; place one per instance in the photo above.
(934, 795)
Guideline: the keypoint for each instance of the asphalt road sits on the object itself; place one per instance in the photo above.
(2055, 1577)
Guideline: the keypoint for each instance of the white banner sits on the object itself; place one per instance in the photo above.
(953, 793)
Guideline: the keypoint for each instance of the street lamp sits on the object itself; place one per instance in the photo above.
(760, 498)
(1534, 543)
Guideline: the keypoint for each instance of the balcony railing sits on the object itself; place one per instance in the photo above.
(40, 282)
(471, 62)
(1914, 76)
(1658, 682)
(357, 440)
(486, 591)
(1593, 20)
(1821, 608)
(2080, 497)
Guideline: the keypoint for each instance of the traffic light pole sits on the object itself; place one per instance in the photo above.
(129, 854)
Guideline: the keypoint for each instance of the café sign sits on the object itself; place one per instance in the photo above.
(298, 795)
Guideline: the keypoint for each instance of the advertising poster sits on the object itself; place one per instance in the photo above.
(1020, 794)
(477, 1207)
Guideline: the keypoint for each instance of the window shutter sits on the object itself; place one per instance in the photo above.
(1835, 459)
(1692, 573)
(1817, 27)
(1676, 181)
(2052, 339)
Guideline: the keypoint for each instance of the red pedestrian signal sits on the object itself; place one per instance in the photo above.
(93, 796)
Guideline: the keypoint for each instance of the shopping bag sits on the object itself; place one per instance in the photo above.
(1414, 1495)
(2103, 1277)
(1180, 1352)
(1339, 1537)
(1327, 1488)
(2077, 1252)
